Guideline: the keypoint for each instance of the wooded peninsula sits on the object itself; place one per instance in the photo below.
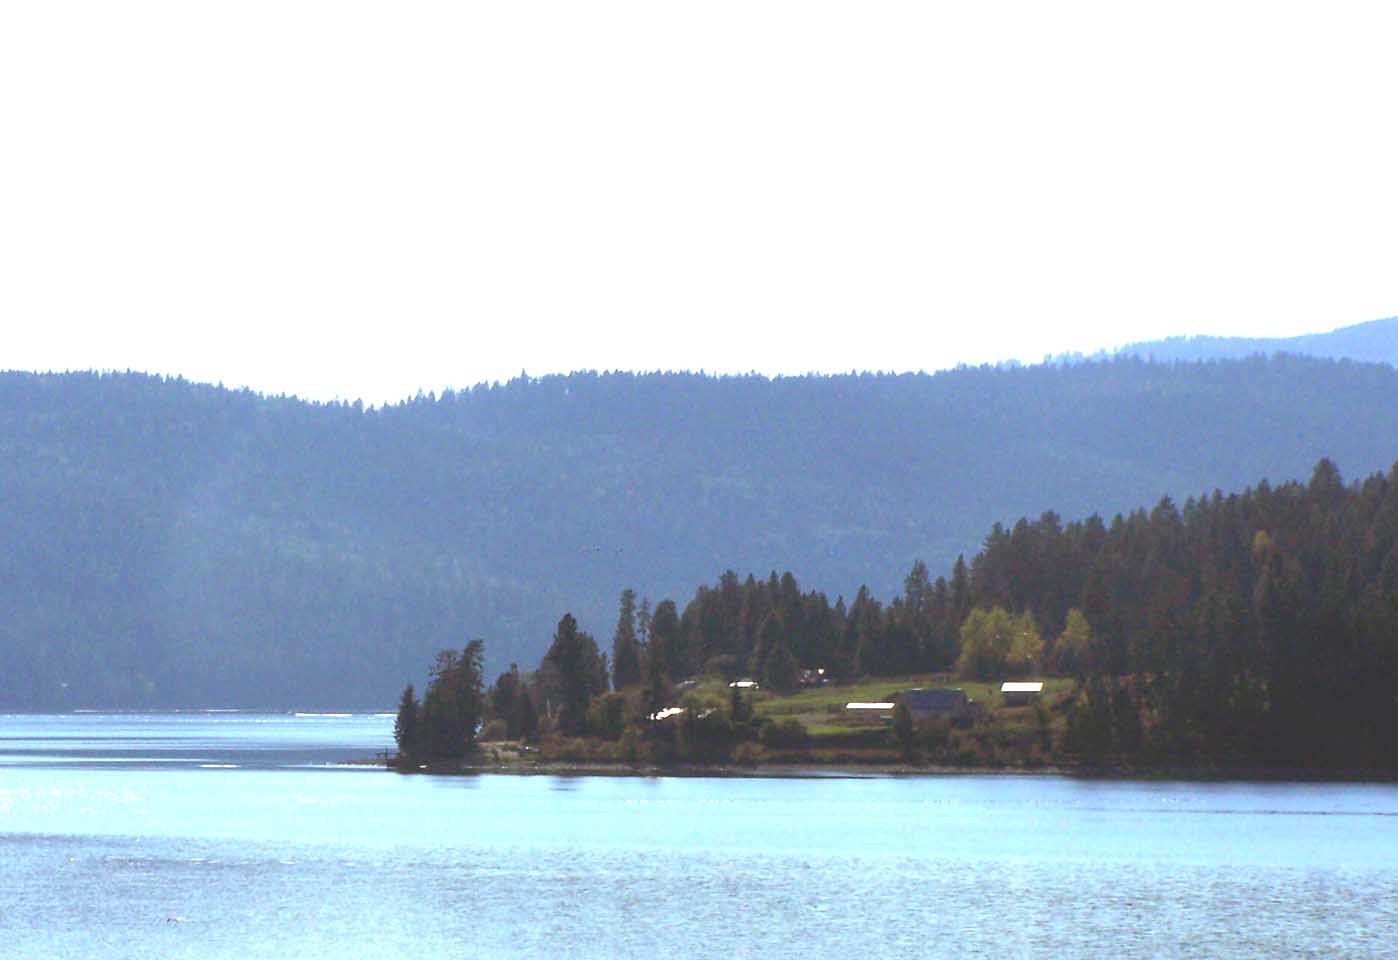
(1256, 631)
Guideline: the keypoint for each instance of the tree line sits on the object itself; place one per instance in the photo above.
(1252, 628)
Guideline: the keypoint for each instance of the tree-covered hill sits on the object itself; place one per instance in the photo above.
(1372, 342)
(164, 543)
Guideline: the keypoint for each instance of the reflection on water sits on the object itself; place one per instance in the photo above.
(565, 782)
(260, 849)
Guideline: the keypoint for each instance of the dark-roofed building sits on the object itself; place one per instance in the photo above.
(938, 704)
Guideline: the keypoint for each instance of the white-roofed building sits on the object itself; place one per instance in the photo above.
(1019, 692)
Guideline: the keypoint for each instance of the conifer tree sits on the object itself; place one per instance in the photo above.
(656, 691)
(405, 726)
(626, 651)
(665, 638)
(580, 674)
(780, 670)
(504, 699)
(454, 702)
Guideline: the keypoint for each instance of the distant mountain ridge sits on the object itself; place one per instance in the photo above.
(171, 544)
(1372, 342)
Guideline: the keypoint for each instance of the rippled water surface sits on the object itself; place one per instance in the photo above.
(233, 835)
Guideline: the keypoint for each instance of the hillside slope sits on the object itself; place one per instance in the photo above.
(164, 543)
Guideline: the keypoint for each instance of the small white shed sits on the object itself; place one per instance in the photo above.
(1019, 692)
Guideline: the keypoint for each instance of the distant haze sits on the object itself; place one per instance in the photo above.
(1373, 342)
(351, 200)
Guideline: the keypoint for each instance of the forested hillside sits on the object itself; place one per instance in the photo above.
(164, 543)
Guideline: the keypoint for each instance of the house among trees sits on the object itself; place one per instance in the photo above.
(1019, 693)
(937, 704)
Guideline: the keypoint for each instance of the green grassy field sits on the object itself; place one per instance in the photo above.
(999, 736)
(829, 701)
(1001, 733)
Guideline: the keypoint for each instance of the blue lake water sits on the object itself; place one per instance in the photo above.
(235, 835)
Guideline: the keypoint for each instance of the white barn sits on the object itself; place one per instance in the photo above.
(1018, 692)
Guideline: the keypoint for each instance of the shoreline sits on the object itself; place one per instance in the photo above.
(809, 771)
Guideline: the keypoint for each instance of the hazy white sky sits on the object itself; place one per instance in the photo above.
(353, 199)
